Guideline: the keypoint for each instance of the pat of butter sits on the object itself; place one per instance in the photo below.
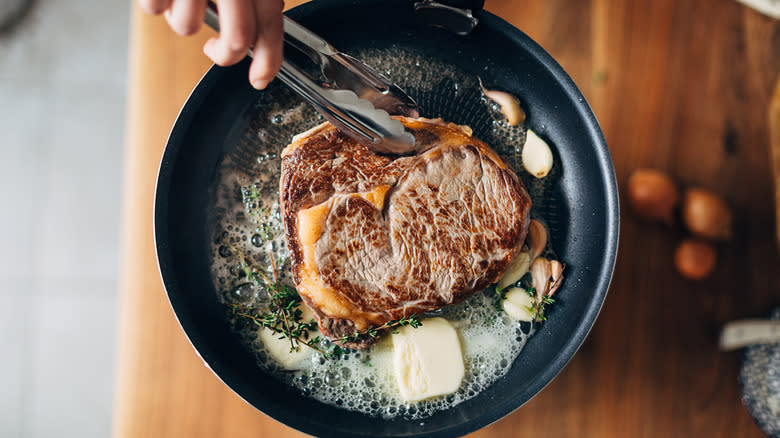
(518, 304)
(427, 360)
(278, 345)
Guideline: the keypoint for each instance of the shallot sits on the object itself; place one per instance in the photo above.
(652, 195)
(706, 214)
(694, 259)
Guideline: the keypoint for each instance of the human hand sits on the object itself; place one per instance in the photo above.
(243, 24)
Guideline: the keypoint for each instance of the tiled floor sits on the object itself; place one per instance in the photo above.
(62, 102)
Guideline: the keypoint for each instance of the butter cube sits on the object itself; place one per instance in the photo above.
(427, 361)
(278, 346)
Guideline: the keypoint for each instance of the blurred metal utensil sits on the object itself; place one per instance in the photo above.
(741, 333)
(355, 98)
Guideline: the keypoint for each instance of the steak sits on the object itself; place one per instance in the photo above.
(376, 238)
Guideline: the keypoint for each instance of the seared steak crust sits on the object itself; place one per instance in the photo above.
(374, 238)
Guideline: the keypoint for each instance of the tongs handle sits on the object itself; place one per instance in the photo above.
(342, 108)
(322, 53)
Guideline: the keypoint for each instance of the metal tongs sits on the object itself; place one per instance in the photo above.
(354, 97)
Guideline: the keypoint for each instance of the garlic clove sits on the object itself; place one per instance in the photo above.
(556, 276)
(537, 156)
(518, 304)
(540, 275)
(537, 238)
(515, 271)
(510, 106)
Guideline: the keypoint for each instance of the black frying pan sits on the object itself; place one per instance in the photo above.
(580, 203)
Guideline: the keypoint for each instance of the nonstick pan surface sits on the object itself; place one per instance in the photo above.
(578, 200)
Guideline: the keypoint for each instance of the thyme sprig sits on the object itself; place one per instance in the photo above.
(298, 335)
(545, 299)
(284, 317)
(538, 306)
(412, 321)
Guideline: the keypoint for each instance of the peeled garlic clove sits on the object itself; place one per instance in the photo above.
(537, 238)
(510, 106)
(515, 271)
(540, 275)
(556, 276)
(518, 304)
(537, 156)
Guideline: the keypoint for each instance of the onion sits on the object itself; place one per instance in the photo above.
(652, 195)
(706, 214)
(694, 259)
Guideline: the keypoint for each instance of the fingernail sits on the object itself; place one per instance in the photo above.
(260, 84)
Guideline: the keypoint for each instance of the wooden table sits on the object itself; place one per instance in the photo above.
(678, 85)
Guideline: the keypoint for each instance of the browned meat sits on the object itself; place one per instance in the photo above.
(375, 238)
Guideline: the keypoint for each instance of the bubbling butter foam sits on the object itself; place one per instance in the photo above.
(246, 218)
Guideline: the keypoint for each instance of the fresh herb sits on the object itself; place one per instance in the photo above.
(538, 306)
(252, 198)
(252, 192)
(298, 333)
(267, 231)
(284, 317)
(500, 296)
(374, 332)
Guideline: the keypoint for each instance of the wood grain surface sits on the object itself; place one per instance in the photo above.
(681, 86)
(773, 123)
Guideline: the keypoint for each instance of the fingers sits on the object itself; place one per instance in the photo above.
(267, 52)
(237, 32)
(186, 16)
(154, 7)
(242, 23)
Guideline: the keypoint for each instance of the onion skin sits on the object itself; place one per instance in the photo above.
(695, 259)
(653, 195)
(706, 215)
